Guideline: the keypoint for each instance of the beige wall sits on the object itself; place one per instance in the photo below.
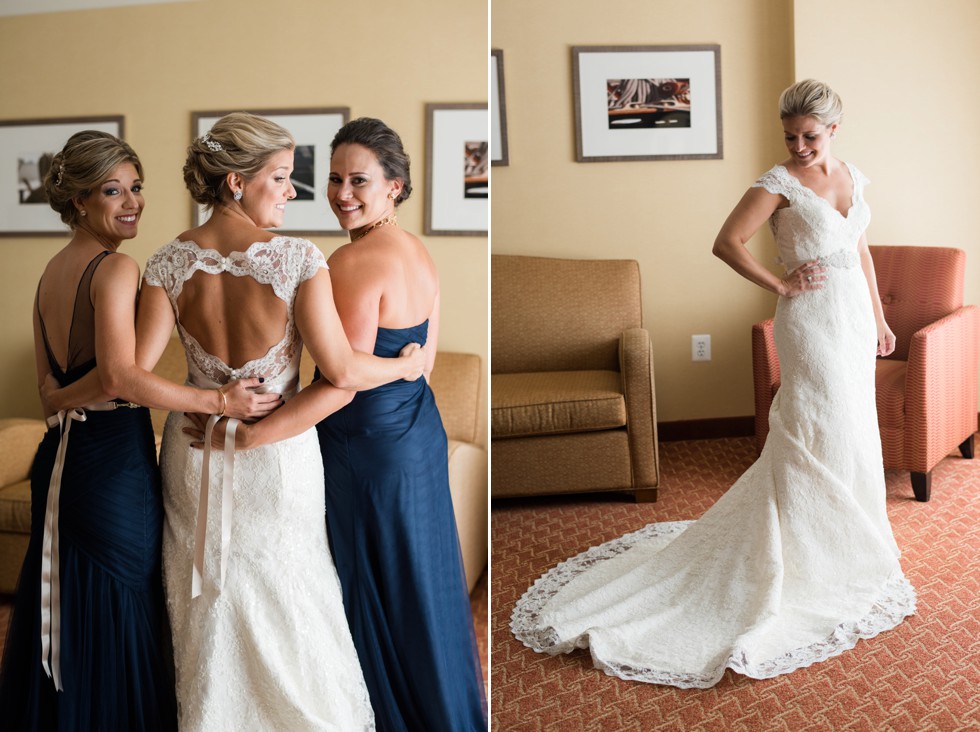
(155, 64)
(907, 72)
(663, 213)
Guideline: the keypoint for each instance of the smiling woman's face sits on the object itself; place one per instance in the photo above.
(807, 140)
(358, 191)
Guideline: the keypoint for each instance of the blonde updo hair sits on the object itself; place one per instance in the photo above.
(811, 98)
(82, 165)
(237, 143)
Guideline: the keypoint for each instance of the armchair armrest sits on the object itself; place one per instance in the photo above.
(942, 369)
(19, 439)
(455, 382)
(636, 368)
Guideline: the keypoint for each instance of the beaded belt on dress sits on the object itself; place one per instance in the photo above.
(842, 259)
(50, 547)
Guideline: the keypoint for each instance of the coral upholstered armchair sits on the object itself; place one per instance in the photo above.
(572, 398)
(927, 390)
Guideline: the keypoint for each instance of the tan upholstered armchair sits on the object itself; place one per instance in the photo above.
(572, 397)
(926, 391)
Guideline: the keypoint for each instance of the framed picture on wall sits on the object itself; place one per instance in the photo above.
(498, 110)
(457, 170)
(309, 213)
(26, 149)
(647, 103)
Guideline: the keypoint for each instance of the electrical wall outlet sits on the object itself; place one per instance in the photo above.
(700, 347)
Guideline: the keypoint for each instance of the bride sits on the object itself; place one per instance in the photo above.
(796, 562)
(260, 635)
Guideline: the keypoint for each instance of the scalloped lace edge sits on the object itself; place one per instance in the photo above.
(896, 602)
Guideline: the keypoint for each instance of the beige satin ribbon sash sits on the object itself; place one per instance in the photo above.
(227, 489)
(50, 545)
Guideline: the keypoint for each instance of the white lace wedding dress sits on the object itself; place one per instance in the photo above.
(269, 647)
(796, 561)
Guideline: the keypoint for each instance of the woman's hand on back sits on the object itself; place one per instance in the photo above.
(414, 357)
(243, 402)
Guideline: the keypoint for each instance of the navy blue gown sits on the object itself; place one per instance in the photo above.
(393, 536)
(116, 671)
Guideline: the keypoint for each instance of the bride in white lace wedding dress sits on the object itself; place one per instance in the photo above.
(260, 636)
(796, 562)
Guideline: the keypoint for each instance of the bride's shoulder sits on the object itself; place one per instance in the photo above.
(859, 177)
(775, 180)
(304, 255)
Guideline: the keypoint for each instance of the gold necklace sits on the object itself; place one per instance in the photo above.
(391, 219)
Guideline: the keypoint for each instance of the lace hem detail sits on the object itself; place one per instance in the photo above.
(525, 619)
(896, 601)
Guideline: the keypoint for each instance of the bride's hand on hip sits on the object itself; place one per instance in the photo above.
(242, 401)
(808, 276)
(414, 357)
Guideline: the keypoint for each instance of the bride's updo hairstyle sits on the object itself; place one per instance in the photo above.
(811, 98)
(237, 143)
(386, 145)
(81, 166)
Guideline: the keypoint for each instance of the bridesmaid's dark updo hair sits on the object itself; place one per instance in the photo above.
(386, 145)
(237, 143)
(81, 166)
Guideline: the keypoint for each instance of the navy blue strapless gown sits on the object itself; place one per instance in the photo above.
(393, 536)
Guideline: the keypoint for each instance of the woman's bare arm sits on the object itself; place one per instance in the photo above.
(325, 339)
(748, 216)
(886, 339)
(114, 288)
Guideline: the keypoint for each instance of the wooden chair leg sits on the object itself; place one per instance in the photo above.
(645, 495)
(922, 486)
(966, 448)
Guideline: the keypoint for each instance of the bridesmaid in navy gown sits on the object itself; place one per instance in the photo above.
(389, 510)
(86, 648)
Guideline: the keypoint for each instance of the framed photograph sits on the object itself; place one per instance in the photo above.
(647, 103)
(498, 110)
(457, 170)
(309, 213)
(26, 149)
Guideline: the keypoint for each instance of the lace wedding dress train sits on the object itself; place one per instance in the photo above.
(266, 645)
(796, 562)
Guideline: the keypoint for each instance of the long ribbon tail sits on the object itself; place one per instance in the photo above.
(51, 555)
(202, 510)
(227, 491)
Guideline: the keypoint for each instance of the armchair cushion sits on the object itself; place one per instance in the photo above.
(556, 402)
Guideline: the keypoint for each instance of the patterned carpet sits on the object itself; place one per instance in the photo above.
(922, 676)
